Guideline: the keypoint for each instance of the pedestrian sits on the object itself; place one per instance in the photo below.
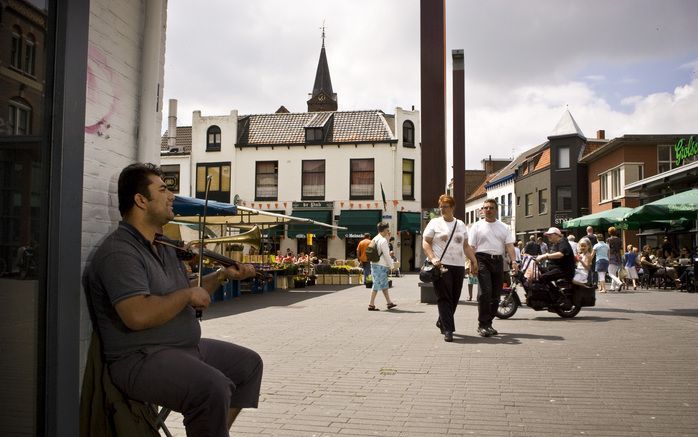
(600, 253)
(381, 268)
(361, 254)
(445, 244)
(518, 247)
(471, 278)
(490, 239)
(571, 239)
(615, 259)
(144, 306)
(543, 245)
(631, 262)
(532, 248)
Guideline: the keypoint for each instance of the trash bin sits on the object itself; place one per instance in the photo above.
(427, 293)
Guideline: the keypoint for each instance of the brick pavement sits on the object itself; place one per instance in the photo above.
(627, 367)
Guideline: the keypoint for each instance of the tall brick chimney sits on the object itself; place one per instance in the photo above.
(600, 134)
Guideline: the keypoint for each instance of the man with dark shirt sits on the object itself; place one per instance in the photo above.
(143, 305)
(532, 248)
(561, 262)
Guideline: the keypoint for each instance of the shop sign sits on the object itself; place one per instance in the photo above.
(313, 205)
(561, 218)
(684, 150)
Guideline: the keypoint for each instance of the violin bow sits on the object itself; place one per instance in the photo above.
(202, 224)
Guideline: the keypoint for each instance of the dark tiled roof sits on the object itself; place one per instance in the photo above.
(289, 129)
(183, 140)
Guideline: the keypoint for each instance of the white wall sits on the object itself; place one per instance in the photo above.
(114, 87)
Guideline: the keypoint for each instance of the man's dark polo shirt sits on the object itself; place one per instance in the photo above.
(125, 266)
(567, 263)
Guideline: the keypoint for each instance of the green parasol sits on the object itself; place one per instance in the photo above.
(600, 220)
(679, 206)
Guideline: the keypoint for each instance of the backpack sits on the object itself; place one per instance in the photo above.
(371, 252)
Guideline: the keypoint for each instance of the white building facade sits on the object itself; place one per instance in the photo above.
(331, 166)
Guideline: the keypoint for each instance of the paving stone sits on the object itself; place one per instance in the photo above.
(626, 367)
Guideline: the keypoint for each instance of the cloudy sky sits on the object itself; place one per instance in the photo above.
(626, 66)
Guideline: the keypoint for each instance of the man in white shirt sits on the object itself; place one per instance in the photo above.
(491, 239)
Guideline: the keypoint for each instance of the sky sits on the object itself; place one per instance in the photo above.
(624, 66)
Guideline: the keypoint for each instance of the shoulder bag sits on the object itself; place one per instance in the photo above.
(429, 272)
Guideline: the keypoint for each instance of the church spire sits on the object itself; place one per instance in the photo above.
(322, 98)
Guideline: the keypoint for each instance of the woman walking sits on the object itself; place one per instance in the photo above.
(600, 252)
(445, 244)
(631, 262)
(381, 268)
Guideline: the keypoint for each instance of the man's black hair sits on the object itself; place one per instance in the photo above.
(134, 179)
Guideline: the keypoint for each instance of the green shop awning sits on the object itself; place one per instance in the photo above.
(273, 231)
(358, 222)
(324, 216)
(409, 221)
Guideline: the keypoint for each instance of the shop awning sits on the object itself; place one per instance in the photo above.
(409, 221)
(323, 216)
(358, 222)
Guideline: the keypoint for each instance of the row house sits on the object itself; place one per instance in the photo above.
(349, 168)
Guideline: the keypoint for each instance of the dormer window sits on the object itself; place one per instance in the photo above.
(313, 135)
(408, 134)
(213, 139)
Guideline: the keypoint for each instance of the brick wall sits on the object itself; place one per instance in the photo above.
(111, 125)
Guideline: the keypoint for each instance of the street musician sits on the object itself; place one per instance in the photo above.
(144, 308)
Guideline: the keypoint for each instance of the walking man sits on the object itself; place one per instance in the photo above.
(361, 254)
(491, 239)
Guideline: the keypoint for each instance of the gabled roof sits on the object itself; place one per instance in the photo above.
(289, 129)
(566, 126)
(183, 140)
(510, 170)
(480, 191)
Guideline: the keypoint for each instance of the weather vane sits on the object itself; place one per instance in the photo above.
(323, 33)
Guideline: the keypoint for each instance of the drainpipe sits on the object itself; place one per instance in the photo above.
(152, 73)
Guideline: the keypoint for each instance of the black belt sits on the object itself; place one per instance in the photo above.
(487, 255)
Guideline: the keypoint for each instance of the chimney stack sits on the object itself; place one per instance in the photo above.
(600, 134)
(172, 125)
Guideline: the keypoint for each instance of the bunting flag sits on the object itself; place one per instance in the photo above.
(385, 202)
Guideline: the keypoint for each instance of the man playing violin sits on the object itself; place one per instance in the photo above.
(144, 308)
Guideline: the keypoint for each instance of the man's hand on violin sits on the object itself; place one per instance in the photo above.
(240, 271)
(200, 298)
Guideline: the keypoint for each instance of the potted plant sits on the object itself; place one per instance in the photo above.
(368, 282)
(299, 281)
(355, 275)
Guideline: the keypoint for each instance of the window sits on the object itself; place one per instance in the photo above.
(314, 135)
(19, 118)
(543, 201)
(529, 204)
(16, 49)
(29, 55)
(213, 139)
(266, 180)
(313, 180)
(220, 181)
(611, 185)
(408, 134)
(563, 157)
(361, 179)
(509, 205)
(564, 198)
(170, 175)
(408, 179)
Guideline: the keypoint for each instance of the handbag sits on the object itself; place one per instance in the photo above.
(429, 272)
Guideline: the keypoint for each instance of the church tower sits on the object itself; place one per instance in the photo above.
(322, 98)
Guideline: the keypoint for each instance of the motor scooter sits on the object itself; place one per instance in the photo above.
(564, 298)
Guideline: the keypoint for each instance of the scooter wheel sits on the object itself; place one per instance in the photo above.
(568, 314)
(507, 306)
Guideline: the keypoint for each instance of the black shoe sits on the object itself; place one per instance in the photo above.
(440, 326)
(491, 330)
(484, 332)
(448, 336)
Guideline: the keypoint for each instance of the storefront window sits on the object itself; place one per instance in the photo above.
(24, 172)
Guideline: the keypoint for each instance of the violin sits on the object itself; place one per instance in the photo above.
(186, 253)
